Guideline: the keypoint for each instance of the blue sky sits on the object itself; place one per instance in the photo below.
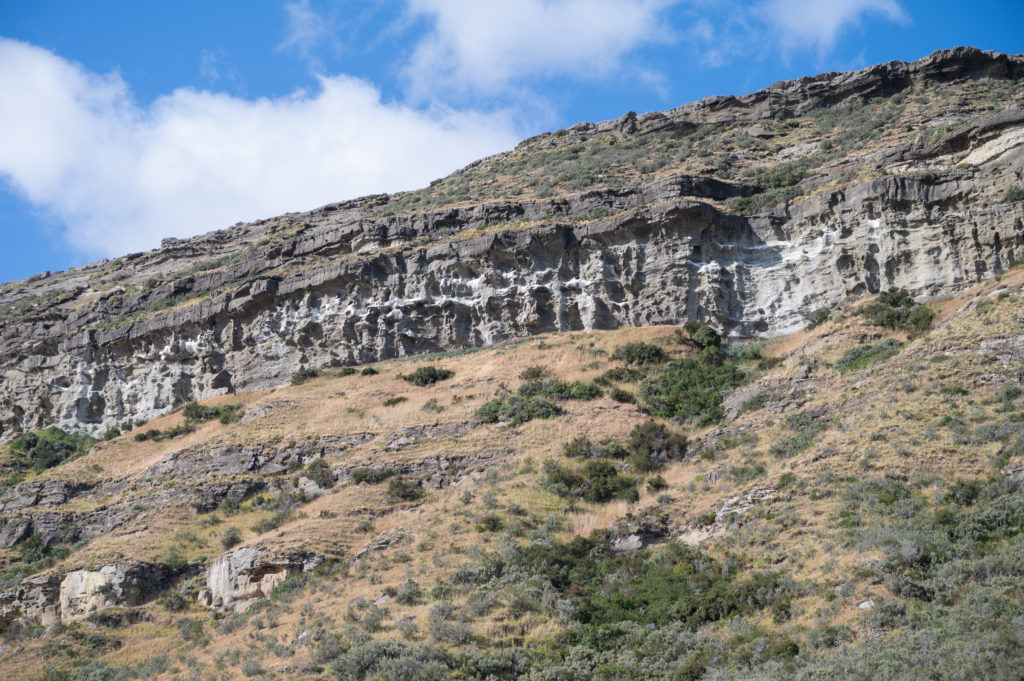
(123, 123)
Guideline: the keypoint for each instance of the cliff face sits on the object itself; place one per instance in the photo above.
(246, 308)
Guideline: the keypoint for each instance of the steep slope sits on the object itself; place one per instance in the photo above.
(748, 213)
(854, 509)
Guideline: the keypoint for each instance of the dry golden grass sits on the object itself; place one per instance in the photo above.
(875, 426)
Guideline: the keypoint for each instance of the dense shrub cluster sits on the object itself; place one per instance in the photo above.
(560, 390)
(516, 410)
(895, 309)
(598, 481)
(400, 489)
(691, 389)
(640, 354)
(49, 447)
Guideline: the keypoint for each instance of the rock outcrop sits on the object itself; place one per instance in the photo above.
(52, 597)
(239, 577)
(249, 307)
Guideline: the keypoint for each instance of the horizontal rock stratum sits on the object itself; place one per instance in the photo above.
(924, 204)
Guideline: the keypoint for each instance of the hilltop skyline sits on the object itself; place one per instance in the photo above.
(163, 126)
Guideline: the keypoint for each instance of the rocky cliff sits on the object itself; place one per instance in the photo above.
(796, 216)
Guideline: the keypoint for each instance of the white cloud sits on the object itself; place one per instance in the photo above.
(486, 47)
(306, 31)
(802, 24)
(121, 176)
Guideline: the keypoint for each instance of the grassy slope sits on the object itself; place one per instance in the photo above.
(856, 488)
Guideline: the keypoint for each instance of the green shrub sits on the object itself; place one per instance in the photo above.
(392, 401)
(368, 371)
(621, 374)
(688, 389)
(49, 447)
(560, 390)
(400, 489)
(372, 475)
(818, 317)
(862, 356)
(640, 354)
(895, 309)
(583, 448)
(428, 375)
(273, 522)
(597, 481)
(1014, 193)
(657, 484)
(232, 537)
(651, 445)
(622, 396)
(533, 373)
(806, 429)
(490, 522)
(228, 413)
(320, 472)
(516, 410)
(303, 375)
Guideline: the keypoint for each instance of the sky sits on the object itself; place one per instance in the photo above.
(122, 123)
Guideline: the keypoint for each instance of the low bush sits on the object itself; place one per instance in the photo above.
(818, 317)
(533, 373)
(896, 310)
(560, 390)
(583, 448)
(49, 447)
(806, 429)
(232, 537)
(320, 472)
(651, 445)
(392, 401)
(691, 389)
(622, 375)
(428, 375)
(372, 475)
(400, 489)
(227, 413)
(640, 354)
(303, 375)
(516, 410)
(859, 357)
(1014, 194)
(597, 481)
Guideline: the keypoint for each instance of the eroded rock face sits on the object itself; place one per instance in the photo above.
(346, 290)
(52, 597)
(84, 591)
(241, 576)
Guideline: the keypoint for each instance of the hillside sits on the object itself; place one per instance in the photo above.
(848, 506)
(747, 213)
(732, 391)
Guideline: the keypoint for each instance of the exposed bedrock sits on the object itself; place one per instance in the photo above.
(246, 308)
(52, 597)
(660, 264)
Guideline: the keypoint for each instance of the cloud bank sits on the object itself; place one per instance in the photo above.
(121, 176)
